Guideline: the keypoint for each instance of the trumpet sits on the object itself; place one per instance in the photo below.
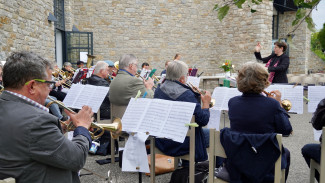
(115, 128)
(286, 104)
(197, 90)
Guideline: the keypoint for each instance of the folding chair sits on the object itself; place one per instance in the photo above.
(216, 149)
(319, 167)
(8, 180)
(190, 156)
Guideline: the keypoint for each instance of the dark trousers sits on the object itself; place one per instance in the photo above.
(287, 155)
(312, 151)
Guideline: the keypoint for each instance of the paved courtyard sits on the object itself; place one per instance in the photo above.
(299, 172)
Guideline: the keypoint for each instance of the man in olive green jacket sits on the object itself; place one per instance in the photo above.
(126, 85)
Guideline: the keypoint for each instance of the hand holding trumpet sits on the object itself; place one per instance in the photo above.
(82, 118)
(276, 94)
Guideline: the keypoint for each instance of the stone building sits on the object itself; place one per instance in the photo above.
(153, 30)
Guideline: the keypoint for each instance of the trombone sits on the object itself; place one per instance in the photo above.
(115, 128)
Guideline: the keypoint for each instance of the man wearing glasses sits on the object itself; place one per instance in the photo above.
(126, 85)
(32, 146)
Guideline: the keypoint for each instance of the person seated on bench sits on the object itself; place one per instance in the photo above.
(174, 88)
(254, 113)
(312, 151)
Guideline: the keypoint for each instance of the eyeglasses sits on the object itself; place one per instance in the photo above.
(50, 84)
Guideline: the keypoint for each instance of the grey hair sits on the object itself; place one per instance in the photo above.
(126, 60)
(24, 66)
(175, 70)
(67, 64)
(100, 66)
(252, 78)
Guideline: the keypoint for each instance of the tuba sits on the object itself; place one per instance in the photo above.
(89, 60)
(115, 128)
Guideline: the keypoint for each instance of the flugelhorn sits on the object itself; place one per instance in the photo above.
(197, 90)
(115, 128)
(286, 104)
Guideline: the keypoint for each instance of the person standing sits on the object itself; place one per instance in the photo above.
(277, 63)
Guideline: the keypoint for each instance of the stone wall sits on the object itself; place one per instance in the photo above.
(301, 57)
(155, 30)
(24, 26)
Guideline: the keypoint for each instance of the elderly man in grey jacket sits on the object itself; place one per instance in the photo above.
(126, 85)
(32, 146)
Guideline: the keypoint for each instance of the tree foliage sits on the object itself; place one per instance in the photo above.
(303, 13)
(321, 37)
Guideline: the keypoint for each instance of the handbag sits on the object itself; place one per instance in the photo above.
(164, 164)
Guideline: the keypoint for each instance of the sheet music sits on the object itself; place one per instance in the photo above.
(232, 92)
(134, 113)
(218, 95)
(162, 118)
(80, 95)
(317, 134)
(135, 154)
(315, 95)
(294, 94)
(155, 116)
(214, 121)
(180, 114)
(194, 81)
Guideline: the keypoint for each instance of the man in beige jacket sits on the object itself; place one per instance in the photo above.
(126, 85)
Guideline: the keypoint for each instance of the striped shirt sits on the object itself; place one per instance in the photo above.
(30, 101)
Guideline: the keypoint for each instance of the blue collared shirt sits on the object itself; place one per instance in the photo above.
(126, 72)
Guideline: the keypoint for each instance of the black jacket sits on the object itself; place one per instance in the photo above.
(105, 111)
(280, 70)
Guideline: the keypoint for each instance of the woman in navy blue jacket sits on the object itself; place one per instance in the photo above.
(254, 113)
(174, 88)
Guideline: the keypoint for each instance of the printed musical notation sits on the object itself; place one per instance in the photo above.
(222, 95)
(80, 95)
(161, 118)
(315, 95)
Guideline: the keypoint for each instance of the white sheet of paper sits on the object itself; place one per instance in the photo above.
(161, 118)
(222, 95)
(214, 121)
(194, 81)
(294, 94)
(317, 134)
(135, 154)
(315, 95)
(83, 56)
(80, 95)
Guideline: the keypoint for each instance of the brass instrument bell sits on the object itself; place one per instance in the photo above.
(116, 65)
(1, 89)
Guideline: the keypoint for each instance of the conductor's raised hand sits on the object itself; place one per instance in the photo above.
(148, 83)
(82, 118)
(258, 47)
(206, 99)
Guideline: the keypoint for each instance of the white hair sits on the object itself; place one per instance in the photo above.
(175, 70)
(100, 66)
(126, 60)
